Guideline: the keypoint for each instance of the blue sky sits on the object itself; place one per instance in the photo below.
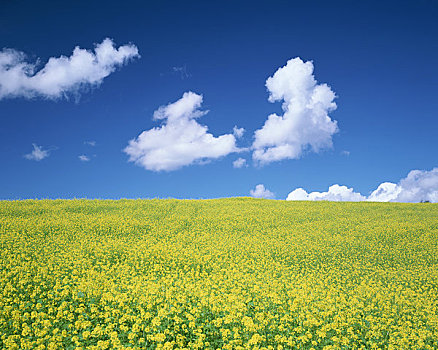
(379, 58)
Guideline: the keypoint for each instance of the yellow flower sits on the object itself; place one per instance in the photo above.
(229, 273)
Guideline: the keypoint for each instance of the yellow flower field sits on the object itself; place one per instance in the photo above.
(218, 274)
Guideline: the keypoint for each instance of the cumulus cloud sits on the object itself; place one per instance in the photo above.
(238, 132)
(418, 186)
(385, 192)
(239, 163)
(334, 193)
(62, 75)
(38, 153)
(261, 192)
(305, 124)
(90, 143)
(84, 158)
(181, 140)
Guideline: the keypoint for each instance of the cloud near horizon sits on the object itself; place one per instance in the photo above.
(334, 193)
(305, 124)
(417, 186)
(180, 140)
(261, 192)
(61, 76)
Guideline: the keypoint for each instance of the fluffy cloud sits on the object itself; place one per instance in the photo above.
(238, 132)
(84, 158)
(334, 193)
(261, 192)
(305, 124)
(62, 75)
(38, 153)
(239, 163)
(418, 186)
(181, 140)
(385, 192)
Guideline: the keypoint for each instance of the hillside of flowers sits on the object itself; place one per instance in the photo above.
(235, 273)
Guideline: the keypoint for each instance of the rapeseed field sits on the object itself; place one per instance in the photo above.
(218, 274)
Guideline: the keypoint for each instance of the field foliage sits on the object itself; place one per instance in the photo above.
(207, 274)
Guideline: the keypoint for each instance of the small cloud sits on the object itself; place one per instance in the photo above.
(182, 71)
(90, 143)
(38, 153)
(238, 132)
(240, 163)
(261, 192)
(84, 158)
(62, 75)
(345, 153)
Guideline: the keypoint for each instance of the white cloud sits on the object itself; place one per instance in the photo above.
(62, 75)
(385, 192)
(181, 140)
(38, 153)
(418, 186)
(305, 124)
(345, 153)
(261, 192)
(238, 132)
(90, 143)
(239, 163)
(182, 71)
(84, 158)
(334, 193)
